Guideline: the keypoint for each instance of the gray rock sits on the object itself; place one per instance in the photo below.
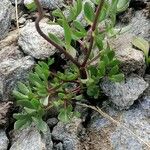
(68, 134)
(5, 112)
(102, 134)
(49, 4)
(5, 17)
(12, 71)
(34, 45)
(31, 139)
(18, 1)
(11, 38)
(147, 79)
(51, 122)
(58, 146)
(132, 60)
(3, 140)
(10, 52)
(139, 25)
(124, 94)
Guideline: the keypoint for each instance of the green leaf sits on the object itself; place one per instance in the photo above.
(45, 100)
(99, 41)
(31, 6)
(65, 114)
(19, 116)
(105, 59)
(117, 78)
(79, 7)
(50, 61)
(141, 44)
(72, 51)
(56, 39)
(79, 97)
(19, 95)
(114, 71)
(36, 104)
(29, 111)
(25, 103)
(101, 69)
(76, 24)
(111, 55)
(58, 13)
(23, 88)
(122, 5)
(89, 12)
(40, 124)
(20, 123)
(67, 33)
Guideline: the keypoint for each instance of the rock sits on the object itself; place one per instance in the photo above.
(124, 94)
(139, 25)
(51, 122)
(48, 4)
(10, 52)
(102, 134)
(31, 139)
(34, 45)
(4, 112)
(68, 134)
(11, 38)
(18, 1)
(3, 140)
(12, 71)
(132, 60)
(58, 146)
(22, 20)
(147, 79)
(5, 17)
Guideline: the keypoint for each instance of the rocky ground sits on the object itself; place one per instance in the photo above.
(128, 102)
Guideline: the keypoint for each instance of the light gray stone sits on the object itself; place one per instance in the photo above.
(67, 134)
(12, 71)
(58, 146)
(18, 1)
(132, 60)
(5, 108)
(49, 4)
(3, 140)
(5, 17)
(139, 25)
(31, 139)
(104, 134)
(11, 39)
(124, 94)
(10, 52)
(34, 45)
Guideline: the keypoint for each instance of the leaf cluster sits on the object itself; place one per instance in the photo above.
(46, 89)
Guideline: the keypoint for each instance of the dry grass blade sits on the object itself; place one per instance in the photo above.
(114, 121)
(16, 10)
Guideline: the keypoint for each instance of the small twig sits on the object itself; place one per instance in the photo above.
(98, 11)
(94, 59)
(114, 121)
(61, 49)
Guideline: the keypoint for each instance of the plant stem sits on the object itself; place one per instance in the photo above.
(98, 11)
(61, 49)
